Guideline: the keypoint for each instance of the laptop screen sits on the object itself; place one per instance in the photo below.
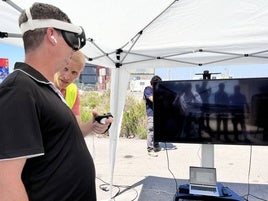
(203, 175)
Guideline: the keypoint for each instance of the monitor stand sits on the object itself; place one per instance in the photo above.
(207, 155)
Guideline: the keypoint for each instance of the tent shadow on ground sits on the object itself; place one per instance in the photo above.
(159, 189)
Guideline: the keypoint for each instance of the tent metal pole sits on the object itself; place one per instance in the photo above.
(9, 35)
(221, 60)
(261, 57)
(264, 51)
(175, 1)
(13, 5)
(14, 35)
(139, 33)
(131, 46)
(104, 54)
(219, 52)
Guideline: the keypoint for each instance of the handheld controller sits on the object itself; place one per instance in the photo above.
(101, 118)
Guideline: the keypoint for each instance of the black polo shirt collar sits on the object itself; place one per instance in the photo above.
(37, 76)
(31, 72)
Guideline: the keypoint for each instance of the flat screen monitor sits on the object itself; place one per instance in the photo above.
(217, 111)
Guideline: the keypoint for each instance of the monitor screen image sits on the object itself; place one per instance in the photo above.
(217, 111)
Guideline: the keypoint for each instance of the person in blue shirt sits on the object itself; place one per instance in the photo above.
(152, 147)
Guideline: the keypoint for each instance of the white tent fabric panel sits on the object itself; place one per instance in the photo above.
(9, 24)
(119, 86)
(193, 32)
(180, 36)
(109, 23)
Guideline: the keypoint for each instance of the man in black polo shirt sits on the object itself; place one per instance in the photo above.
(43, 156)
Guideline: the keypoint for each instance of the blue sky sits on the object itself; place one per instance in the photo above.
(241, 71)
(15, 53)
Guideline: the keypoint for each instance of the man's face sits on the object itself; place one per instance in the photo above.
(68, 74)
(64, 52)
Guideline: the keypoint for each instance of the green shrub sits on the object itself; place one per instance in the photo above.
(134, 115)
(90, 100)
(133, 118)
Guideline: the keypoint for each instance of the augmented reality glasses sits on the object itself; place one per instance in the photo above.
(73, 35)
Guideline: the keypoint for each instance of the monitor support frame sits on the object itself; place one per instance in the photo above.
(207, 150)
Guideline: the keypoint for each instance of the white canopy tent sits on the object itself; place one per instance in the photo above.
(125, 34)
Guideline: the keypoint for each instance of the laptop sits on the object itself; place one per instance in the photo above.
(203, 181)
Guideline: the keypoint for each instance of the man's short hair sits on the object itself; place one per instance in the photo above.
(33, 38)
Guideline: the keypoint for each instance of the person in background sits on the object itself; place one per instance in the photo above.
(152, 147)
(222, 115)
(64, 81)
(205, 93)
(43, 155)
(239, 108)
(190, 102)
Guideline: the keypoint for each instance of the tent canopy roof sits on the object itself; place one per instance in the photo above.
(174, 33)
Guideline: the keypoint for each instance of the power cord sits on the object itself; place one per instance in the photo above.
(248, 183)
(249, 169)
(176, 183)
(255, 197)
(106, 187)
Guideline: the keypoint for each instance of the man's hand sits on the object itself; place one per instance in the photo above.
(101, 123)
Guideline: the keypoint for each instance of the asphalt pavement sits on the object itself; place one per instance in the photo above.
(139, 177)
